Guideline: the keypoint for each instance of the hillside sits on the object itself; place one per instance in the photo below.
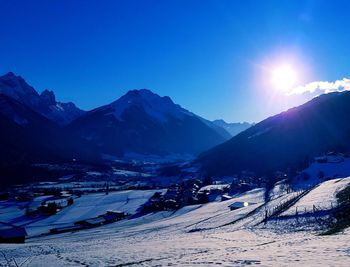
(218, 236)
(27, 137)
(287, 140)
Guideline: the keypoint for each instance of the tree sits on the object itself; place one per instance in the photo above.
(305, 176)
(207, 180)
(70, 201)
(320, 175)
(52, 208)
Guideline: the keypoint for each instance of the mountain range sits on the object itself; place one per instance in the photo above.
(233, 128)
(45, 103)
(36, 127)
(143, 122)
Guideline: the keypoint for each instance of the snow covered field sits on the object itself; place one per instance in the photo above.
(322, 197)
(151, 246)
(87, 206)
(198, 235)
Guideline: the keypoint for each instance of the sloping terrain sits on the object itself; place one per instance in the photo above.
(206, 235)
(323, 197)
(288, 140)
(85, 207)
(27, 137)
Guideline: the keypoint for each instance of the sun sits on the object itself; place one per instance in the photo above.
(283, 77)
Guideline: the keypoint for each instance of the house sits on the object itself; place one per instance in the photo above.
(65, 194)
(112, 216)
(93, 222)
(335, 158)
(171, 204)
(238, 205)
(331, 157)
(225, 197)
(4, 196)
(64, 229)
(322, 159)
(12, 234)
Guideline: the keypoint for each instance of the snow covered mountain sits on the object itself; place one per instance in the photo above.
(143, 122)
(233, 128)
(45, 103)
(287, 140)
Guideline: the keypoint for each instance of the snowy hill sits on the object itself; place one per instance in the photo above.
(85, 207)
(322, 197)
(198, 235)
(45, 103)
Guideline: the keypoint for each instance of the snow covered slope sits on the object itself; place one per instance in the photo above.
(199, 235)
(85, 207)
(323, 197)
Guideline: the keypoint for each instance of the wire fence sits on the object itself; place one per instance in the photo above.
(287, 208)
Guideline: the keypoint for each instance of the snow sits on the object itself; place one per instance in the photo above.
(126, 173)
(198, 235)
(330, 170)
(85, 207)
(323, 197)
(214, 187)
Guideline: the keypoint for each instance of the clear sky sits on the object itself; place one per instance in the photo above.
(211, 57)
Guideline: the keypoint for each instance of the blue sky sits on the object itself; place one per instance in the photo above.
(209, 56)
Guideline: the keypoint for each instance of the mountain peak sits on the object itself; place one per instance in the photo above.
(158, 107)
(48, 96)
(17, 88)
(233, 128)
(140, 92)
(9, 74)
(147, 95)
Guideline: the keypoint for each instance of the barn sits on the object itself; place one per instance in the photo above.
(12, 234)
(238, 205)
